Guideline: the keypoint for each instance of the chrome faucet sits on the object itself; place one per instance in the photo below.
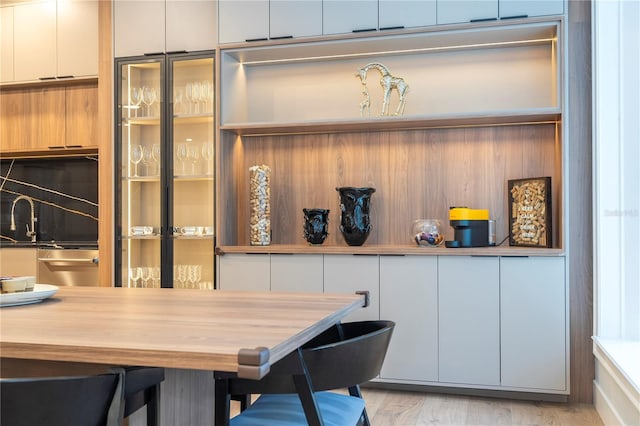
(30, 232)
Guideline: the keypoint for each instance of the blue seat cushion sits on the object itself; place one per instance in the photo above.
(286, 410)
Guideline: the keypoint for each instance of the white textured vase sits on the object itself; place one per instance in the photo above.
(260, 208)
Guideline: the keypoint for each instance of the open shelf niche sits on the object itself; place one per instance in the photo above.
(484, 107)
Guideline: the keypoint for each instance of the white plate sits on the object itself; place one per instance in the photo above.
(39, 293)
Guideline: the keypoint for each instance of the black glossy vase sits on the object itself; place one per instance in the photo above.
(316, 225)
(355, 204)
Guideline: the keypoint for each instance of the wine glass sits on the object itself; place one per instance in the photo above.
(156, 155)
(134, 276)
(135, 99)
(181, 153)
(178, 101)
(148, 98)
(205, 87)
(147, 160)
(194, 275)
(182, 274)
(193, 95)
(136, 157)
(145, 274)
(155, 276)
(193, 154)
(207, 155)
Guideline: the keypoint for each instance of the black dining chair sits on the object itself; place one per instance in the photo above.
(70, 401)
(297, 390)
(142, 388)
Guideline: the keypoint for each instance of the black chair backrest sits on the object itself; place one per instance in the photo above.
(69, 401)
(345, 355)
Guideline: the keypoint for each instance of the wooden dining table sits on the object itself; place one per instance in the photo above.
(183, 330)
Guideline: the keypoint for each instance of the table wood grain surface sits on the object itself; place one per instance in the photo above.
(173, 328)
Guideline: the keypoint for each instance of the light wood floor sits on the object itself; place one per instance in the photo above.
(396, 408)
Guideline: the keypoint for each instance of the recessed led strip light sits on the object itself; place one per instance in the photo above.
(403, 51)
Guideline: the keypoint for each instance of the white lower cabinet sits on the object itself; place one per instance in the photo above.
(409, 296)
(351, 273)
(465, 321)
(533, 323)
(297, 273)
(247, 272)
(469, 320)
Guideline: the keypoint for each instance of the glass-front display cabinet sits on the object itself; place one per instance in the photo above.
(165, 175)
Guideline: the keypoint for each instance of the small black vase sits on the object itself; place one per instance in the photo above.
(315, 225)
(355, 204)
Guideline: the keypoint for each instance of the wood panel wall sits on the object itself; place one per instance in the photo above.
(105, 146)
(417, 174)
(579, 214)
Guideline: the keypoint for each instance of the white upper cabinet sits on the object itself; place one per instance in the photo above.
(138, 27)
(144, 27)
(191, 25)
(346, 16)
(34, 41)
(406, 13)
(456, 11)
(526, 8)
(295, 18)
(77, 38)
(240, 20)
(6, 44)
(55, 40)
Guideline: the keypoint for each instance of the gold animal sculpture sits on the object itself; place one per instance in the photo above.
(388, 83)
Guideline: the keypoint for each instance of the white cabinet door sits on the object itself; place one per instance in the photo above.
(409, 297)
(406, 13)
(243, 20)
(77, 32)
(455, 11)
(525, 8)
(139, 27)
(6, 44)
(248, 272)
(295, 18)
(297, 273)
(350, 273)
(34, 40)
(469, 320)
(533, 321)
(345, 16)
(191, 25)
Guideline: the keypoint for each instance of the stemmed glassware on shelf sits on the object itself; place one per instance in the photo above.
(149, 96)
(136, 154)
(193, 155)
(147, 160)
(134, 276)
(155, 276)
(194, 275)
(182, 152)
(135, 99)
(145, 274)
(207, 155)
(156, 155)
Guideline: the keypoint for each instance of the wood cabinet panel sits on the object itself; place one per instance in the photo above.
(81, 116)
(45, 108)
(49, 118)
(14, 120)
